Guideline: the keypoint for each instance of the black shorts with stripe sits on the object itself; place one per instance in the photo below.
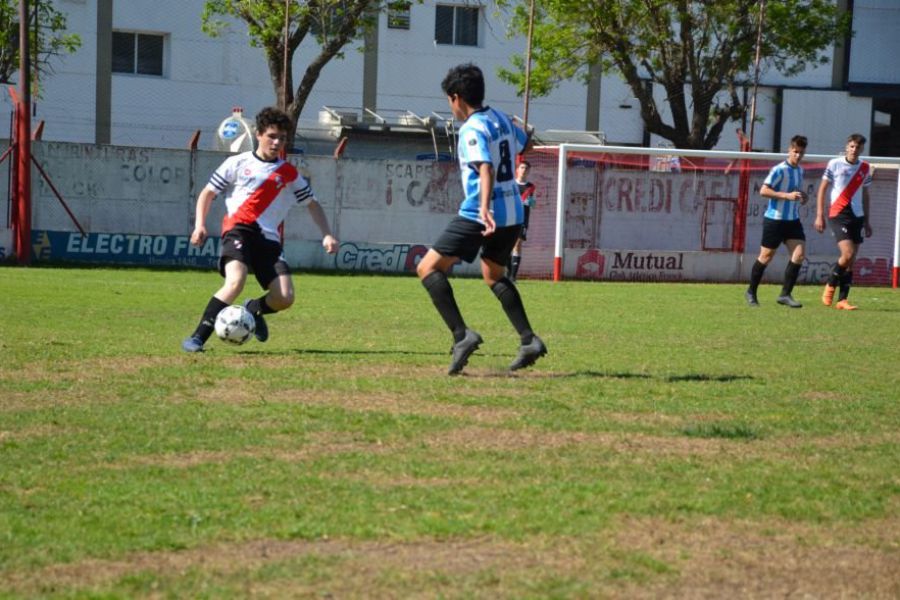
(463, 239)
(776, 232)
(247, 244)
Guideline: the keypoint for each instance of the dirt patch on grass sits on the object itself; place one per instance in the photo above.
(483, 438)
(635, 558)
(358, 563)
(324, 444)
(713, 558)
(396, 404)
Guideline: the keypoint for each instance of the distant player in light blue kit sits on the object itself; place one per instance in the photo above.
(781, 223)
(490, 218)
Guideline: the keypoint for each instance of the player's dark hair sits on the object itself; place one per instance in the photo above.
(467, 82)
(858, 138)
(525, 162)
(272, 117)
(799, 141)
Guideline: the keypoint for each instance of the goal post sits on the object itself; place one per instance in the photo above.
(663, 214)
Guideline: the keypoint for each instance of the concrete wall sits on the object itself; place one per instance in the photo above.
(621, 222)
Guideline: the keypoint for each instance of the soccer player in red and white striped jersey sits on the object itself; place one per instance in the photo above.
(848, 215)
(260, 189)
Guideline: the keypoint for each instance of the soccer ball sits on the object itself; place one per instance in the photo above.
(235, 324)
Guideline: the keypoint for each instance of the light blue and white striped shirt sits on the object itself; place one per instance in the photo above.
(784, 178)
(490, 136)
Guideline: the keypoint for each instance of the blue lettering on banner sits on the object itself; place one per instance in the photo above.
(124, 249)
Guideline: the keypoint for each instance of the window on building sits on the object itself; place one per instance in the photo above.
(456, 25)
(398, 15)
(140, 53)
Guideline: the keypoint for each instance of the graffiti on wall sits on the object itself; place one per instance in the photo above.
(433, 185)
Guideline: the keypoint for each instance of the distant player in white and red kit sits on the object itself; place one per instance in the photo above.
(848, 215)
(526, 190)
(260, 190)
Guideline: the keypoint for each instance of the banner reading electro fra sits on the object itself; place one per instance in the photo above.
(123, 249)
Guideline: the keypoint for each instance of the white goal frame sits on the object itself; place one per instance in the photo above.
(565, 149)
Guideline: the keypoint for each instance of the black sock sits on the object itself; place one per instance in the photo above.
(836, 274)
(511, 301)
(756, 274)
(259, 306)
(846, 282)
(208, 320)
(441, 293)
(514, 261)
(791, 272)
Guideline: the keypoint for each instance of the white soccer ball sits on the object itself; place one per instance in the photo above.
(235, 324)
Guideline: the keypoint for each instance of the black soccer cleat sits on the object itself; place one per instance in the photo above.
(462, 350)
(528, 354)
(262, 330)
(751, 299)
(788, 300)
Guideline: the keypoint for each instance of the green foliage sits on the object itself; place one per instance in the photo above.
(332, 23)
(708, 45)
(48, 41)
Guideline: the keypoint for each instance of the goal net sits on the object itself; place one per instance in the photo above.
(654, 214)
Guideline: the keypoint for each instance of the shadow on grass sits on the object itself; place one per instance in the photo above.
(730, 431)
(339, 352)
(705, 377)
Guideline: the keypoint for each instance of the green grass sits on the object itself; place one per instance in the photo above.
(338, 458)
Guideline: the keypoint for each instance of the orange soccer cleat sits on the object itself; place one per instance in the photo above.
(845, 305)
(828, 295)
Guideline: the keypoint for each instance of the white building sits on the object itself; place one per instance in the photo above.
(171, 79)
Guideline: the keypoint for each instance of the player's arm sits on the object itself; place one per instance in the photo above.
(329, 242)
(204, 201)
(767, 192)
(486, 190)
(866, 225)
(820, 206)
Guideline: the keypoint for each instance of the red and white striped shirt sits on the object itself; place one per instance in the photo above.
(259, 191)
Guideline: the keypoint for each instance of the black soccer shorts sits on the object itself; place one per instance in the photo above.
(847, 226)
(264, 257)
(463, 239)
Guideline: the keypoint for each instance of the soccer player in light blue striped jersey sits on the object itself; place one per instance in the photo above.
(489, 220)
(781, 223)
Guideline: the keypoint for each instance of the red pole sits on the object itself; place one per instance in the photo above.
(22, 242)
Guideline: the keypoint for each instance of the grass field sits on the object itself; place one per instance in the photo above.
(674, 443)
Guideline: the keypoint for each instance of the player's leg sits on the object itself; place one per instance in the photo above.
(493, 257)
(771, 239)
(274, 276)
(841, 227)
(515, 260)
(235, 272)
(849, 250)
(461, 240)
(796, 256)
(756, 274)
